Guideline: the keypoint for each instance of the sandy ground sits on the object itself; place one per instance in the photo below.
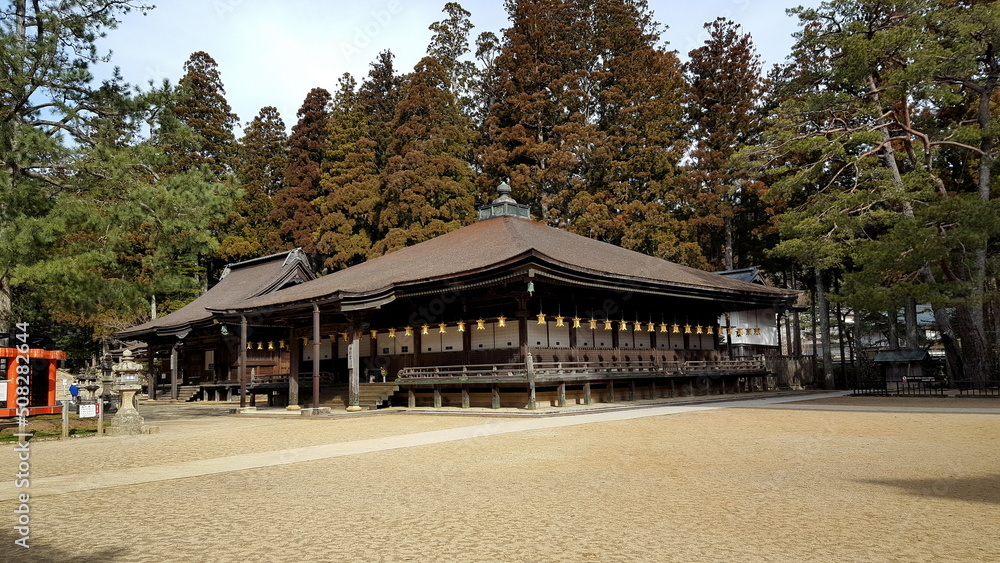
(727, 484)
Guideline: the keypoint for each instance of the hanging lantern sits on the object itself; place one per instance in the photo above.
(739, 332)
(651, 327)
(663, 327)
(676, 328)
(374, 335)
(559, 321)
(576, 322)
(480, 324)
(541, 318)
(423, 329)
(281, 345)
(260, 345)
(637, 326)
(407, 331)
(501, 321)
(461, 326)
(249, 345)
(607, 324)
(392, 333)
(270, 345)
(709, 329)
(756, 331)
(698, 329)
(593, 323)
(729, 330)
(687, 329)
(343, 336)
(441, 329)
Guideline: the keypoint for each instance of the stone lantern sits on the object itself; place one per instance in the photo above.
(107, 375)
(127, 420)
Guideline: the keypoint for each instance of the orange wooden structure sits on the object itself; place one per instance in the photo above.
(41, 383)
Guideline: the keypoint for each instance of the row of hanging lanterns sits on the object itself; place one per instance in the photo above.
(270, 345)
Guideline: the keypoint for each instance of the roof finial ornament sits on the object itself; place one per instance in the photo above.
(504, 206)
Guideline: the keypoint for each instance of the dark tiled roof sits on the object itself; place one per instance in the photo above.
(904, 355)
(493, 242)
(749, 275)
(240, 281)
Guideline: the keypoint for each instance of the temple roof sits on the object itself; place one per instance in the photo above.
(493, 246)
(240, 281)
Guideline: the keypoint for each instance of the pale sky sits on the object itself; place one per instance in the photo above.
(273, 53)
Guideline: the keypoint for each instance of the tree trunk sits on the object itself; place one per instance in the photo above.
(910, 314)
(729, 243)
(892, 330)
(824, 325)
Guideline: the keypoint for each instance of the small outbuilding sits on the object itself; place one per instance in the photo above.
(905, 365)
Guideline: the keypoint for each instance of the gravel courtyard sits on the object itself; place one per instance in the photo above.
(710, 483)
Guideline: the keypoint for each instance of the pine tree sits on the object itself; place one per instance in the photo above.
(295, 205)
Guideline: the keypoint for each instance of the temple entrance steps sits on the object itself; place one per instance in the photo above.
(187, 393)
(370, 395)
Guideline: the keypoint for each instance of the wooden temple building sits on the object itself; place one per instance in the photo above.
(503, 312)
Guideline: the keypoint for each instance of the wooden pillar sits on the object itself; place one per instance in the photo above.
(652, 390)
(586, 393)
(465, 396)
(496, 396)
(174, 361)
(315, 355)
(631, 389)
(690, 387)
(611, 391)
(573, 352)
(154, 373)
(437, 396)
(242, 373)
(530, 369)
(354, 367)
(562, 394)
(411, 398)
(294, 357)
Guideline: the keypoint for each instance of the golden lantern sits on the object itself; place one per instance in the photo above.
(423, 329)
(593, 323)
(392, 333)
(441, 329)
(651, 327)
(541, 318)
(559, 321)
(407, 331)
(709, 329)
(501, 321)
(607, 324)
(281, 345)
(698, 329)
(729, 330)
(249, 345)
(576, 322)
(344, 336)
(637, 326)
(756, 331)
(260, 345)
(676, 328)
(739, 332)
(663, 327)
(270, 345)
(687, 329)
(480, 324)
(374, 334)
(623, 325)
(461, 326)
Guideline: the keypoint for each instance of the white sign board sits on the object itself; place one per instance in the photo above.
(88, 411)
(3, 390)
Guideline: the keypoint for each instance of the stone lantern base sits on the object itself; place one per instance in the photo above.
(127, 420)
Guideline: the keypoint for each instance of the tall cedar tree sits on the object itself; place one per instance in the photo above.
(295, 206)
(352, 182)
(260, 164)
(203, 108)
(587, 123)
(429, 188)
(726, 88)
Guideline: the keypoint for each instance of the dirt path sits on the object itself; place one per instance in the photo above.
(702, 485)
